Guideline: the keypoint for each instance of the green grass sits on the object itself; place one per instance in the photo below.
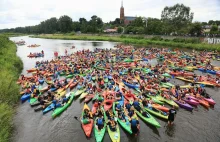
(10, 68)
(136, 40)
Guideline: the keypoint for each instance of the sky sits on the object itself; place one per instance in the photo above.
(20, 13)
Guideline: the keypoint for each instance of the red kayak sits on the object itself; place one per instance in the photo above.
(108, 104)
(73, 84)
(87, 126)
(88, 98)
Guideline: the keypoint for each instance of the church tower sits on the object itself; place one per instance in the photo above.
(122, 14)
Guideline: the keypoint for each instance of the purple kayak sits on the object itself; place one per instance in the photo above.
(184, 105)
(191, 101)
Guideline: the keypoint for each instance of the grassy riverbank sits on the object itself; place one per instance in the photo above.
(134, 40)
(10, 68)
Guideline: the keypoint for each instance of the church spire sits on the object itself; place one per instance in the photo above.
(122, 3)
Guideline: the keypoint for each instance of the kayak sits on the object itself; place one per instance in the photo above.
(210, 101)
(49, 108)
(157, 112)
(87, 128)
(108, 104)
(83, 95)
(184, 105)
(191, 101)
(79, 92)
(25, 97)
(160, 107)
(154, 99)
(59, 110)
(148, 119)
(131, 85)
(124, 124)
(99, 134)
(171, 102)
(184, 79)
(114, 135)
(88, 98)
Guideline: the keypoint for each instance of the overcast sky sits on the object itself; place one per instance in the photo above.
(14, 13)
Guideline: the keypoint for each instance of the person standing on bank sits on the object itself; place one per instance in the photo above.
(172, 115)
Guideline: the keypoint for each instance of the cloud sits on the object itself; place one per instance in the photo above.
(16, 13)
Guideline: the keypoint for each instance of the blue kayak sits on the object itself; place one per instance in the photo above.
(25, 97)
(49, 108)
(211, 71)
(131, 85)
(52, 89)
(145, 59)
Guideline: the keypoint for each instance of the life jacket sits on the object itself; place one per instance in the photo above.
(118, 106)
(100, 121)
(136, 103)
(134, 122)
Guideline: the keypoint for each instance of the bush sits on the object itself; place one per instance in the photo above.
(10, 68)
(157, 38)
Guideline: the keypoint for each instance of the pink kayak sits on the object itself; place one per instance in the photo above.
(210, 101)
(191, 101)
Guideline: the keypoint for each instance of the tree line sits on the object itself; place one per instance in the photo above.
(175, 20)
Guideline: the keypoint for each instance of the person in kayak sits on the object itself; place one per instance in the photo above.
(135, 126)
(118, 107)
(112, 124)
(100, 122)
(109, 114)
(136, 105)
(171, 116)
(128, 107)
(87, 114)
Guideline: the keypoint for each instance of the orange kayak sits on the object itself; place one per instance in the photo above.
(160, 107)
(204, 103)
(87, 124)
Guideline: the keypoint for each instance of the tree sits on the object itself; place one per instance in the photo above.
(214, 29)
(177, 16)
(196, 29)
(120, 29)
(65, 24)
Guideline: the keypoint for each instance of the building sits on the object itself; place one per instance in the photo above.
(125, 19)
(115, 30)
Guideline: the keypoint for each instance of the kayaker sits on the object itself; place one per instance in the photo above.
(135, 126)
(136, 105)
(100, 122)
(112, 124)
(118, 107)
(171, 116)
(87, 114)
(128, 106)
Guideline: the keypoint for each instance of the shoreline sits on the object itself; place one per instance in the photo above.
(11, 67)
(140, 41)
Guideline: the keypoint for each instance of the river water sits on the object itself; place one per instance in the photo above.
(201, 125)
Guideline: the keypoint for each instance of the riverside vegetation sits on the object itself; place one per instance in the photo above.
(10, 68)
(191, 43)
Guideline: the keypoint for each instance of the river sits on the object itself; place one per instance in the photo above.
(201, 125)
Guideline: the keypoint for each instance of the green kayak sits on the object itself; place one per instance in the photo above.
(59, 110)
(148, 119)
(100, 68)
(157, 112)
(166, 75)
(171, 102)
(125, 125)
(154, 99)
(70, 76)
(128, 60)
(78, 92)
(114, 135)
(99, 134)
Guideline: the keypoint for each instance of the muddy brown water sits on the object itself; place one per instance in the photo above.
(201, 125)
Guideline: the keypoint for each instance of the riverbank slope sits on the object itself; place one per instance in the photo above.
(137, 40)
(10, 69)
